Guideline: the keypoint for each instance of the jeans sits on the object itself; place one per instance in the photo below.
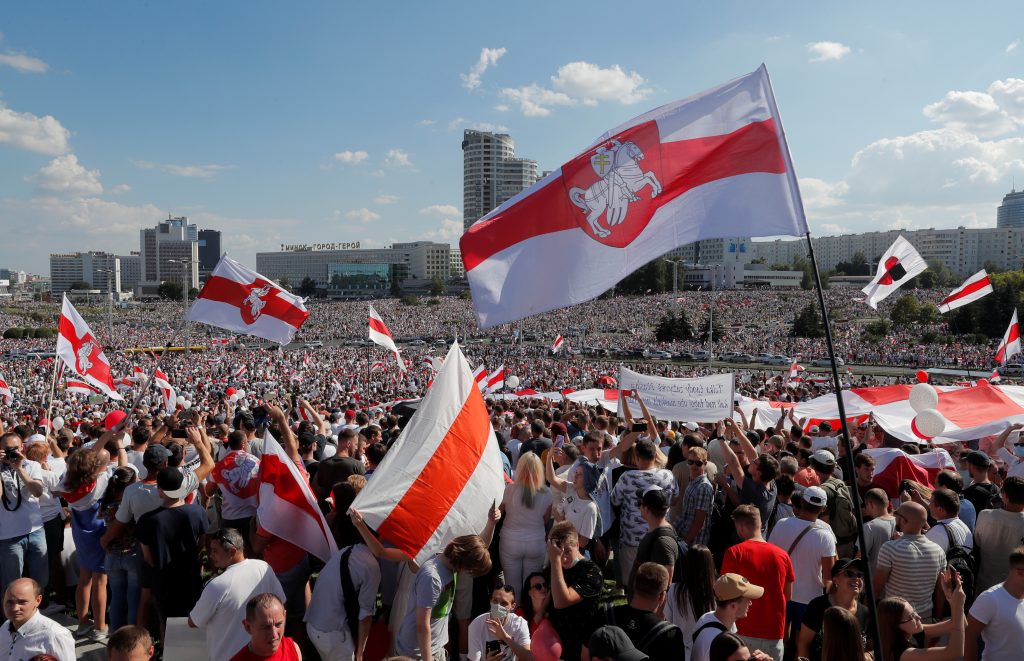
(123, 580)
(25, 554)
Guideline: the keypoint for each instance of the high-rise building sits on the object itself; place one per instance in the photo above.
(131, 270)
(209, 252)
(170, 253)
(491, 174)
(1011, 212)
(100, 270)
(420, 260)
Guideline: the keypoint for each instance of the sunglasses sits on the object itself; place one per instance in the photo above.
(539, 586)
(694, 462)
(853, 574)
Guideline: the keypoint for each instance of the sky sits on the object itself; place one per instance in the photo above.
(339, 121)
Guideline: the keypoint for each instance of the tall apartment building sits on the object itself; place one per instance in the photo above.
(1011, 212)
(209, 252)
(163, 248)
(131, 270)
(491, 174)
(100, 270)
(964, 251)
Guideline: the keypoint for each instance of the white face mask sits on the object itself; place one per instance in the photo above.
(1018, 450)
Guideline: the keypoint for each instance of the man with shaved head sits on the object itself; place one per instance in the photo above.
(27, 632)
(909, 567)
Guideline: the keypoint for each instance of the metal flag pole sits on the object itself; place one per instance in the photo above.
(848, 468)
(53, 384)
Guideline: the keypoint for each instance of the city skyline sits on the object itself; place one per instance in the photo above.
(272, 124)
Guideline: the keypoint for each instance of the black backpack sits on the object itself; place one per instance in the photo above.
(961, 560)
(677, 571)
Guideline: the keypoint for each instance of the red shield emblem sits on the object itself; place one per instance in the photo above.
(616, 187)
(253, 304)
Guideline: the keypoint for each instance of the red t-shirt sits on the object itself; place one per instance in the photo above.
(768, 566)
(285, 652)
(280, 554)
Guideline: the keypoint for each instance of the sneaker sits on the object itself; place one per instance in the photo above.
(99, 635)
(84, 630)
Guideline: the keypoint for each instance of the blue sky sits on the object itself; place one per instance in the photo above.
(315, 121)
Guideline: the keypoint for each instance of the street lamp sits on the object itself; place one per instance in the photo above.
(185, 264)
(675, 275)
(110, 305)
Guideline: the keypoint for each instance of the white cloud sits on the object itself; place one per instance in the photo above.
(1012, 46)
(120, 189)
(488, 58)
(64, 175)
(385, 199)
(824, 51)
(460, 123)
(448, 232)
(441, 210)
(534, 100)
(351, 157)
(27, 131)
(363, 215)
(397, 158)
(425, 122)
(501, 107)
(23, 63)
(590, 83)
(819, 194)
(205, 172)
(977, 112)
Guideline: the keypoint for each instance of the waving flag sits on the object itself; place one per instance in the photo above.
(379, 334)
(81, 352)
(480, 377)
(1010, 346)
(898, 265)
(495, 380)
(240, 372)
(714, 165)
(239, 299)
(163, 384)
(5, 391)
(977, 286)
(794, 372)
(444, 473)
(557, 346)
(892, 466)
(287, 508)
(80, 387)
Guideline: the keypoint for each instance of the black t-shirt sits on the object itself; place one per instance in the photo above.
(815, 614)
(336, 469)
(172, 535)
(575, 623)
(638, 624)
(983, 496)
(536, 445)
(658, 546)
(763, 499)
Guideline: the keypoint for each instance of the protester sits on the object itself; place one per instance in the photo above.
(28, 632)
(848, 580)
(689, 599)
(575, 585)
(733, 596)
(500, 632)
(649, 633)
(130, 643)
(264, 622)
(841, 636)
(23, 543)
(997, 616)
(730, 647)
(899, 623)
(525, 506)
(998, 530)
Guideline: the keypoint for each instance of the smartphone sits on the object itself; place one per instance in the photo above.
(178, 433)
(639, 427)
(492, 646)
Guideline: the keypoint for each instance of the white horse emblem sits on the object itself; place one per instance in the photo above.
(621, 179)
(83, 353)
(255, 302)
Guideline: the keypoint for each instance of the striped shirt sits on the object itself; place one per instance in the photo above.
(914, 563)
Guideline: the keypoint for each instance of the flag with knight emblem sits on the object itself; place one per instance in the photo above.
(80, 351)
(898, 266)
(714, 165)
(239, 299)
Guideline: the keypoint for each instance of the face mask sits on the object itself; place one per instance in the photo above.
(1018, 450)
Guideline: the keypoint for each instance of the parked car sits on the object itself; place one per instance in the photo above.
(780, 360)
(741, 358)
(417, 343)
(702, 355)
(764, 358)
(825, 362)
(1011, 370)
(659, 355)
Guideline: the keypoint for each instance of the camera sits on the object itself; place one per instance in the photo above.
(178, 432)
(639, 427)
(11, 454)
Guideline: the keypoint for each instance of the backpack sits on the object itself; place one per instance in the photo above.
(654, 634)
(841, 517)
(961, 560)
(708, 625)
(677, 570)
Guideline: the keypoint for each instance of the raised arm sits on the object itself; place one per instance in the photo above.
(556, 482)
(288, 442)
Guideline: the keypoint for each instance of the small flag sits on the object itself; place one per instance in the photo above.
(975, 287)
(167, 393)
(480, 376)
(379, 334)
(240, 372)
(496, 380)
(1010, 346)
(557, 346)
(5, 390)
(900, 263)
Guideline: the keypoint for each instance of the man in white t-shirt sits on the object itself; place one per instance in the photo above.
(811, 546)
(500, 630)
(733, 596)
(944, 508)
(221, 607)
(997, 616)
(327, 622)
(23, 549)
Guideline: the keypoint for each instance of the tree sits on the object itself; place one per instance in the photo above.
(780, 267)
(674, 329)
(171, 291)
(193, 293)
(409, 299)
(651, 277)
(308, 287)
(808, 323)
(396, 289)
(285, 284)
(992, 267)
(927, 313)
(337, 281)
(759, 260)
(807, 281)
(79, 285)
(704, 326)
(466, 295)
(905, 311)
(437, 287)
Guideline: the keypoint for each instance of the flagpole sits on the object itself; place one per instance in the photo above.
(149, 380)
(848, 468)
(53, 385)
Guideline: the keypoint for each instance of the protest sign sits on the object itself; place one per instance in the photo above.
(705, 399)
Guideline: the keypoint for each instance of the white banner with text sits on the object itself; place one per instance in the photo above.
(704, 399)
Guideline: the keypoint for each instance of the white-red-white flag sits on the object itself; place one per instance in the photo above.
(167, 394)
(900, 263)
(5, 390)
(1010, 346)
(443, 475)
(240, 372)
(977, 286)
(714, 165)
(81, 352)
(379, 334)
(557, 346)
(480, 376)
(794, 372)
(80, 387)
(287, 508)
(996, 376)
(239, 299)
(495, 380)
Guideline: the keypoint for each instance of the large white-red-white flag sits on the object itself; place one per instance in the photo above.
(444, 473)
(5, 390)
(81, 352)
(1010, 346)
(80, 387)
(167, 394)
(287, 508)
(239, 299)
(900, 263)
(557, 345)
(495, 380)
(379, 334)
(710, 166)
(977, 286)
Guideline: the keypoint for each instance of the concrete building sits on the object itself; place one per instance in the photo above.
(209, 252)
(163, 248)
(456, 269)
(491, 174)
(102, 272)
(1011, 212)
(131, 270)
(421, 260)
(13, 277)
(730, 256)
(964, 251)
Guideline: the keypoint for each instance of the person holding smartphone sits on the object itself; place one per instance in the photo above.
(500, 634)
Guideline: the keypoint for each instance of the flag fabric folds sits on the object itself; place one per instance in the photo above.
(557, 346)
(167, 394)
(444, 473)
(287, 507)
(380, 335)
(975, 287)
(80, 387)
(713, 165)
(239, 299)
(81, 352)
(480, 376)
(1010, 346)
(5, 391)
(900, 263)
(495, 380)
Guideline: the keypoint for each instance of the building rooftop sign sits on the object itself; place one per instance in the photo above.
(307, 247)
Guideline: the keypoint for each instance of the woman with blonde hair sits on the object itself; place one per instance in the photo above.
(526, 506)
